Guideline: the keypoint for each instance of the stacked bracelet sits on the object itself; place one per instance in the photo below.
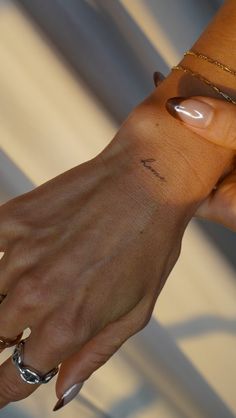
(203, 79)
(212, 61)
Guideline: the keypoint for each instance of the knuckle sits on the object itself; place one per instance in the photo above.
(24, 290)
(143, 319)
(28, 292)
(32, 284)
(21, 293)
(13, 217)
(142, 323)
(60, 335)
(100, 356)
(107, 349)
(18, 259)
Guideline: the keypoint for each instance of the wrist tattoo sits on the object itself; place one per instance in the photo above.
(146, 164)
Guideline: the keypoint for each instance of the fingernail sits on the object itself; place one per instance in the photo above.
(158, 78)
(68, 395)
(191, 111)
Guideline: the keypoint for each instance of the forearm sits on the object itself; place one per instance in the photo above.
(219, 42)
(189, 165)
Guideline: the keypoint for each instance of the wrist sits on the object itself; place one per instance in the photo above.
(189, 164)
(184, 167)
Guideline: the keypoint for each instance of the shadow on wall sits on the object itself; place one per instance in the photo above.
(182, 32)
(13, 180)
(12, 411)
(223, 238)
(116, 55)
(175, 378)
(205, 324)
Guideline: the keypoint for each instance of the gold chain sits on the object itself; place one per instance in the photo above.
(212, 61)
(206, 81)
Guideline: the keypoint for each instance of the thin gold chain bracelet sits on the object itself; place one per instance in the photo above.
(205, 80)
(211, 60)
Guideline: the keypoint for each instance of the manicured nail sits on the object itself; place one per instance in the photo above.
(158, 78)
(191, 111)
(69, 394)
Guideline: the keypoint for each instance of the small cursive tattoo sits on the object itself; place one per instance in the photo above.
(146, 164)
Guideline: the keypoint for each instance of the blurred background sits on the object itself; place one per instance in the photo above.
(61, 62)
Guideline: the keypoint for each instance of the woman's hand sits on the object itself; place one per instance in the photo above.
(214, 120)
(85, 257)
(87, 253)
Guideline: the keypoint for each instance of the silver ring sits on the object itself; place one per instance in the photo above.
(29, 374)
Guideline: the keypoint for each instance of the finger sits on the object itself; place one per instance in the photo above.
(7, 272)
(95, 353)
(220, 206)
(12, 386)
(4, 341)
(8, 233)
(4, 232)
(11, 228)
(4, 242)
(18, 310)
(213, 119)
(47, 346)
(16, 262)
(158, 78)
(12, 321)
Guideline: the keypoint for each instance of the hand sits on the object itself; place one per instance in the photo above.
(85, 257)
(214, 120)
(87, 253)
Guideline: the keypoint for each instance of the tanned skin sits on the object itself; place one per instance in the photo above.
(88, 252)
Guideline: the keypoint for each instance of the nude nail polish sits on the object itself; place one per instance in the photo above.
(68, 395)
(191, 111)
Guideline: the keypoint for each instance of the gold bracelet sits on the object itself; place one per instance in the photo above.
(206, 81)
(211, 60)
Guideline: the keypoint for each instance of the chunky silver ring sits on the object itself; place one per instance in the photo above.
(29, 374)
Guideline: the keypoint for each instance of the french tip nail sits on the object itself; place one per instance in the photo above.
(192, 111)
(172, 103)
(58, 405)
(68, 396)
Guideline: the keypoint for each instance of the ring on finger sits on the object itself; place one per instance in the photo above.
(29, 374)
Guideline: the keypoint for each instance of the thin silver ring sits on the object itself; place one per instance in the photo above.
(29, 374)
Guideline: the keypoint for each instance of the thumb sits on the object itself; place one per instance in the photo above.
(212, 119)
(95, 353)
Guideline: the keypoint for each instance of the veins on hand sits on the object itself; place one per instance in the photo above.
(146, 164)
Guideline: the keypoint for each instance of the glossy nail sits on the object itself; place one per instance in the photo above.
(191, 111)
(158, 78)
(68, 395)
